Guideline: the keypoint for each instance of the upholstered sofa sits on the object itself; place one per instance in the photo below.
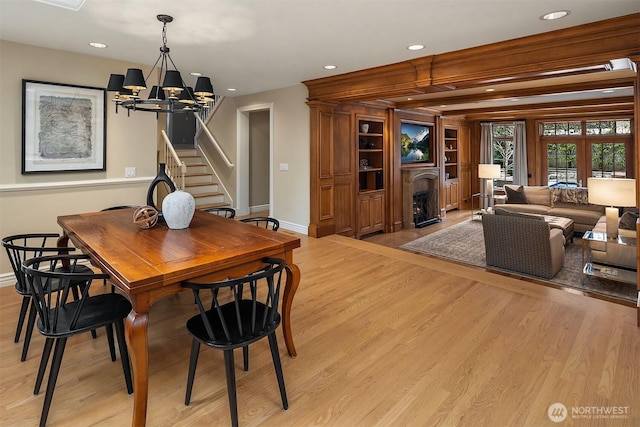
(569, 203)
(573, 203)
(522, 243)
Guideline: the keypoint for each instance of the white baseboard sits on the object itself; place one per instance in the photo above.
(258, 208)
(294, 227)
(7, 279)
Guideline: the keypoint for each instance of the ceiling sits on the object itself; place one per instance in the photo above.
(259, 45)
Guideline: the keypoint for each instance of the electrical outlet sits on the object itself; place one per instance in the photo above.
(129, 172)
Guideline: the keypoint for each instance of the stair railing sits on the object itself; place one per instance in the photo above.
(214, 142)
(206, 112)
(175, 168)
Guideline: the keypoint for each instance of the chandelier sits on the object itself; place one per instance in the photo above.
(173, 96)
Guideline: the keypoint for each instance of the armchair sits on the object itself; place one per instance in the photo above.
(523, 243)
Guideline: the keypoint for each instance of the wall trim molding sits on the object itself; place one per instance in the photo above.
(8, 188)
(7, 279)
(290, 226)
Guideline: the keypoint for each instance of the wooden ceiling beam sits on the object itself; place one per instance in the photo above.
(611, 107)
(530, 57)
(519, 93)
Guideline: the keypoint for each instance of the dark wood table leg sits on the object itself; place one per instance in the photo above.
(136, 334)
(293, 280)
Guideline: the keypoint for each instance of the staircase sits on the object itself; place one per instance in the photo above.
(199, 181)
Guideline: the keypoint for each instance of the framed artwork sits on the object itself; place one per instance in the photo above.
(63, 127)
(416, 142)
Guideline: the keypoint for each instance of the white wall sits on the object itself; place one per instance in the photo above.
(32, 203)
(291, 146)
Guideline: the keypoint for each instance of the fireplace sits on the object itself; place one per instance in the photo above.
(421, 200)
(425, 208)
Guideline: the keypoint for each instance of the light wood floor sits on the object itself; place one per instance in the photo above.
(384, 338)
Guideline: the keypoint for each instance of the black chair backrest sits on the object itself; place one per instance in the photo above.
(222, 211)
(113, 208)
(62, 272)
(21, 247)
(264, 222)
(241, 320)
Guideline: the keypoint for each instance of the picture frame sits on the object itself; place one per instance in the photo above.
(416, 142)
(63, 128)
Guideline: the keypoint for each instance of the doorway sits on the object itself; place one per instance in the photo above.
(255, 160)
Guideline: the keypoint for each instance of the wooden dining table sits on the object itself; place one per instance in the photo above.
(148, 264)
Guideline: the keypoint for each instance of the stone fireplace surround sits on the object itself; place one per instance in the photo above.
(414, 180)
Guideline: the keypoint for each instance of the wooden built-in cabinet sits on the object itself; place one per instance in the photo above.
(451, 167)
(370, 213)
(451, 194)
(371, 149)
(357, 173)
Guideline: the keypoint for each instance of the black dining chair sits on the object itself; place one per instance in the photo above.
(222, 211)
(21, 247)
(59, 319)
(239, 322)
(113, 208)
(263, 221)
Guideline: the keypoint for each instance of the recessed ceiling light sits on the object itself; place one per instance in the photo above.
(608, 91)
(415, 47)
(330, 67)
(232, 89)
(555, 15)
(490, 90)
(67, 4)
(409, 99)
(514, 99)
(98, 45)
(196, 74)
(443, 105)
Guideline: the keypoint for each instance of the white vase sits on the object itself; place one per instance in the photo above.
(178, 209)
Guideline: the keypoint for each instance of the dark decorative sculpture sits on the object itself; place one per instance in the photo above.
(162, 177)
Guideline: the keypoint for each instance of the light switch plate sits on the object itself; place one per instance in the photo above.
(284, 166)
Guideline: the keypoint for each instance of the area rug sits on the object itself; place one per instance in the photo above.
(464, 243)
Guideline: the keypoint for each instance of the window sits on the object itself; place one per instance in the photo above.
(577, 150)
(608, 159)
(562, 128)
(503, 146)
(561, 165)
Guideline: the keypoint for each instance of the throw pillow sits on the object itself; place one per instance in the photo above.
(628, 221)
(538, 195)
(515, 195)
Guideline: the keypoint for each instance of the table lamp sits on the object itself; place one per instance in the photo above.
(613, 193)
(489, 172)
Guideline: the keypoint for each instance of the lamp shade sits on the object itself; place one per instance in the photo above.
(156, 93)
(172, 81)
(115, 83)
(186, 96)
(203, 87)
(619, 192)
(488, 171)
(134, 80)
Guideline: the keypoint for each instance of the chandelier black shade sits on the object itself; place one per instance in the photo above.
(172, 96)
(156, 93)
(203, 87)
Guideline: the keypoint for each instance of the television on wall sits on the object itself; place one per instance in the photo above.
(416, 142)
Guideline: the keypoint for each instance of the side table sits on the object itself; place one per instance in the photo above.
(603, 271)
